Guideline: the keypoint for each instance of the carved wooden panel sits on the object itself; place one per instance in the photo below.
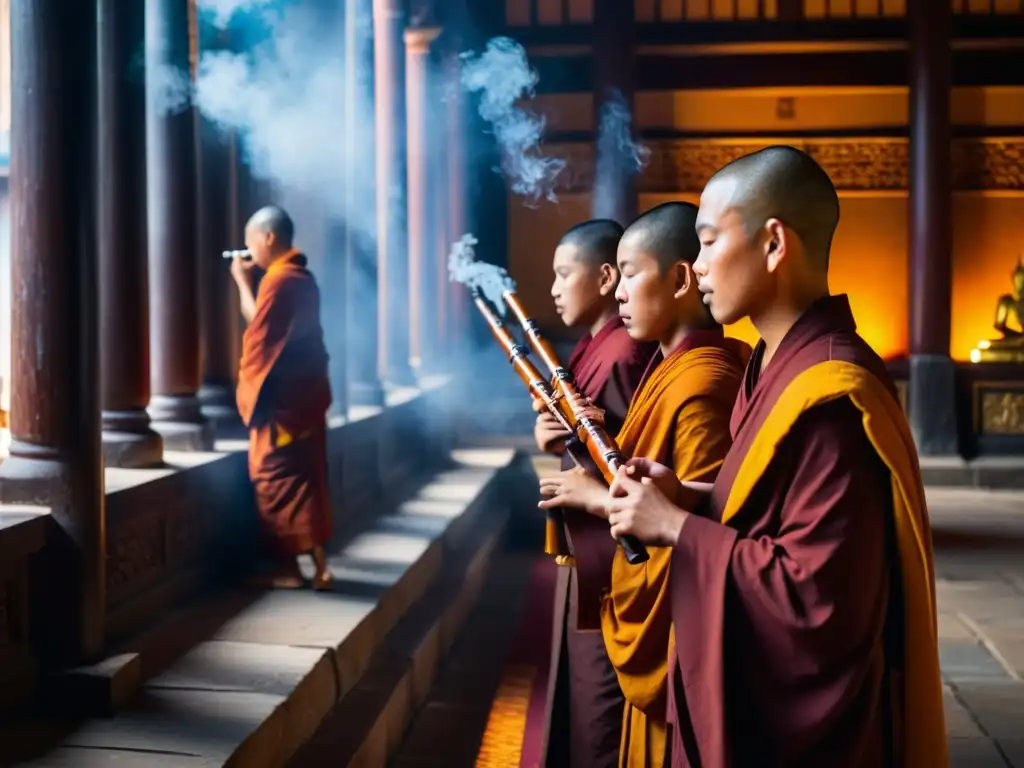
(1000, 411)
(135, 553)
(685, 165)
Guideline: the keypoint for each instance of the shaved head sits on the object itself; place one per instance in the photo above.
(275, 221)
(785, 184)
(666, 232)
(596, 241)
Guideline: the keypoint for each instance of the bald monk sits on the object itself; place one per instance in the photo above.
(679, 416)
(584, 699)
(802, 594)
(283, 396)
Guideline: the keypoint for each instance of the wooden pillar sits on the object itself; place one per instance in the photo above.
(56, 455)
(932, 387)
(362, 297)
(392, 227)
(128, 439)
(219, 306)
(424, 299)
(614, 195)
(173, 257)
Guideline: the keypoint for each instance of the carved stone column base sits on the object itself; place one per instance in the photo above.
(34, 475)
(129, 441)
(217, 403)
(180, 421)
(366, 393)
(931, 402)
(131, 450)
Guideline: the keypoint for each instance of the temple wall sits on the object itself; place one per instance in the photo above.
(550, 12)
(870, 253)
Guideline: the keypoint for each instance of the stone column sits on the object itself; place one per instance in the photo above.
(361, 292)
(423, 295)
(614, 195)
(173, 258)
(440, 193)
(56, 454)
(931, 392)
(218, 230)
(128, 439)
(392, 224)
(457, 316)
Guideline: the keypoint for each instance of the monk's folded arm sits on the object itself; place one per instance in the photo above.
(812, 592)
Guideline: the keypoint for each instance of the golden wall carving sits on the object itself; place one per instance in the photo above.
(866, 164)
(1001, 412)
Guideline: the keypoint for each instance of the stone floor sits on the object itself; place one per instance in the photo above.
(979, 539)
(979, 544)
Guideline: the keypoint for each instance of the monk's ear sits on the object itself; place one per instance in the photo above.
(685, 279)
(776, 244)
(609, 278)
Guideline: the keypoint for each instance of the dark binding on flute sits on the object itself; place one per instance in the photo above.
(600, 445)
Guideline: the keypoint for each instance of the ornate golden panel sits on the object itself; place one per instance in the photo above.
(866, 164)
(999, 409)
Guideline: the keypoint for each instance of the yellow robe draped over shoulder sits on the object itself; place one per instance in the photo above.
(920, 727)
(679, 417)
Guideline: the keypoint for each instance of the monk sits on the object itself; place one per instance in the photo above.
(584, 699)
(283, 396)
(679, 416)
(802, 588)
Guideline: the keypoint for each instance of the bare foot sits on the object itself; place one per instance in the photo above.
(323, 581)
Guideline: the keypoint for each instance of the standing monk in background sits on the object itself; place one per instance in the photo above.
(584, 699)
(283, 396)
(803, 593)
(680, 416)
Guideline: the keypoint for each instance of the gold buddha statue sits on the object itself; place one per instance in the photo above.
(1009, 310)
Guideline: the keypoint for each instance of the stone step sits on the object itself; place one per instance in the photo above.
(260, 684)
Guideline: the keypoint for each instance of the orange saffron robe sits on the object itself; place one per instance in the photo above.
(679, 417)
(283, 396)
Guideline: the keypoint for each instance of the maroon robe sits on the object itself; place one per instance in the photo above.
(782, 616)
(584, 700)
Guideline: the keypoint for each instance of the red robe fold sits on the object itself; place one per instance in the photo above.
(584, 699)
(787, 603)
(283, 396)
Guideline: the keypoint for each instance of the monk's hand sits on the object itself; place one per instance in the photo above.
(549, 433)
(539, 406)
(663, 477)
(583, 407)
(574, 488)
(642, 510)
(244, 271)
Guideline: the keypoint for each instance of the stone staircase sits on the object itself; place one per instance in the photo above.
(266, 679)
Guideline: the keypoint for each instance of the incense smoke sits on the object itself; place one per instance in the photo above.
(168, 88)
(502, 76)
(490, 279)
(285, 98)
(618, 155)
(222, 11)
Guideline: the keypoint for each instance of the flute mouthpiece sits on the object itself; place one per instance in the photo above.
(242, 254)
